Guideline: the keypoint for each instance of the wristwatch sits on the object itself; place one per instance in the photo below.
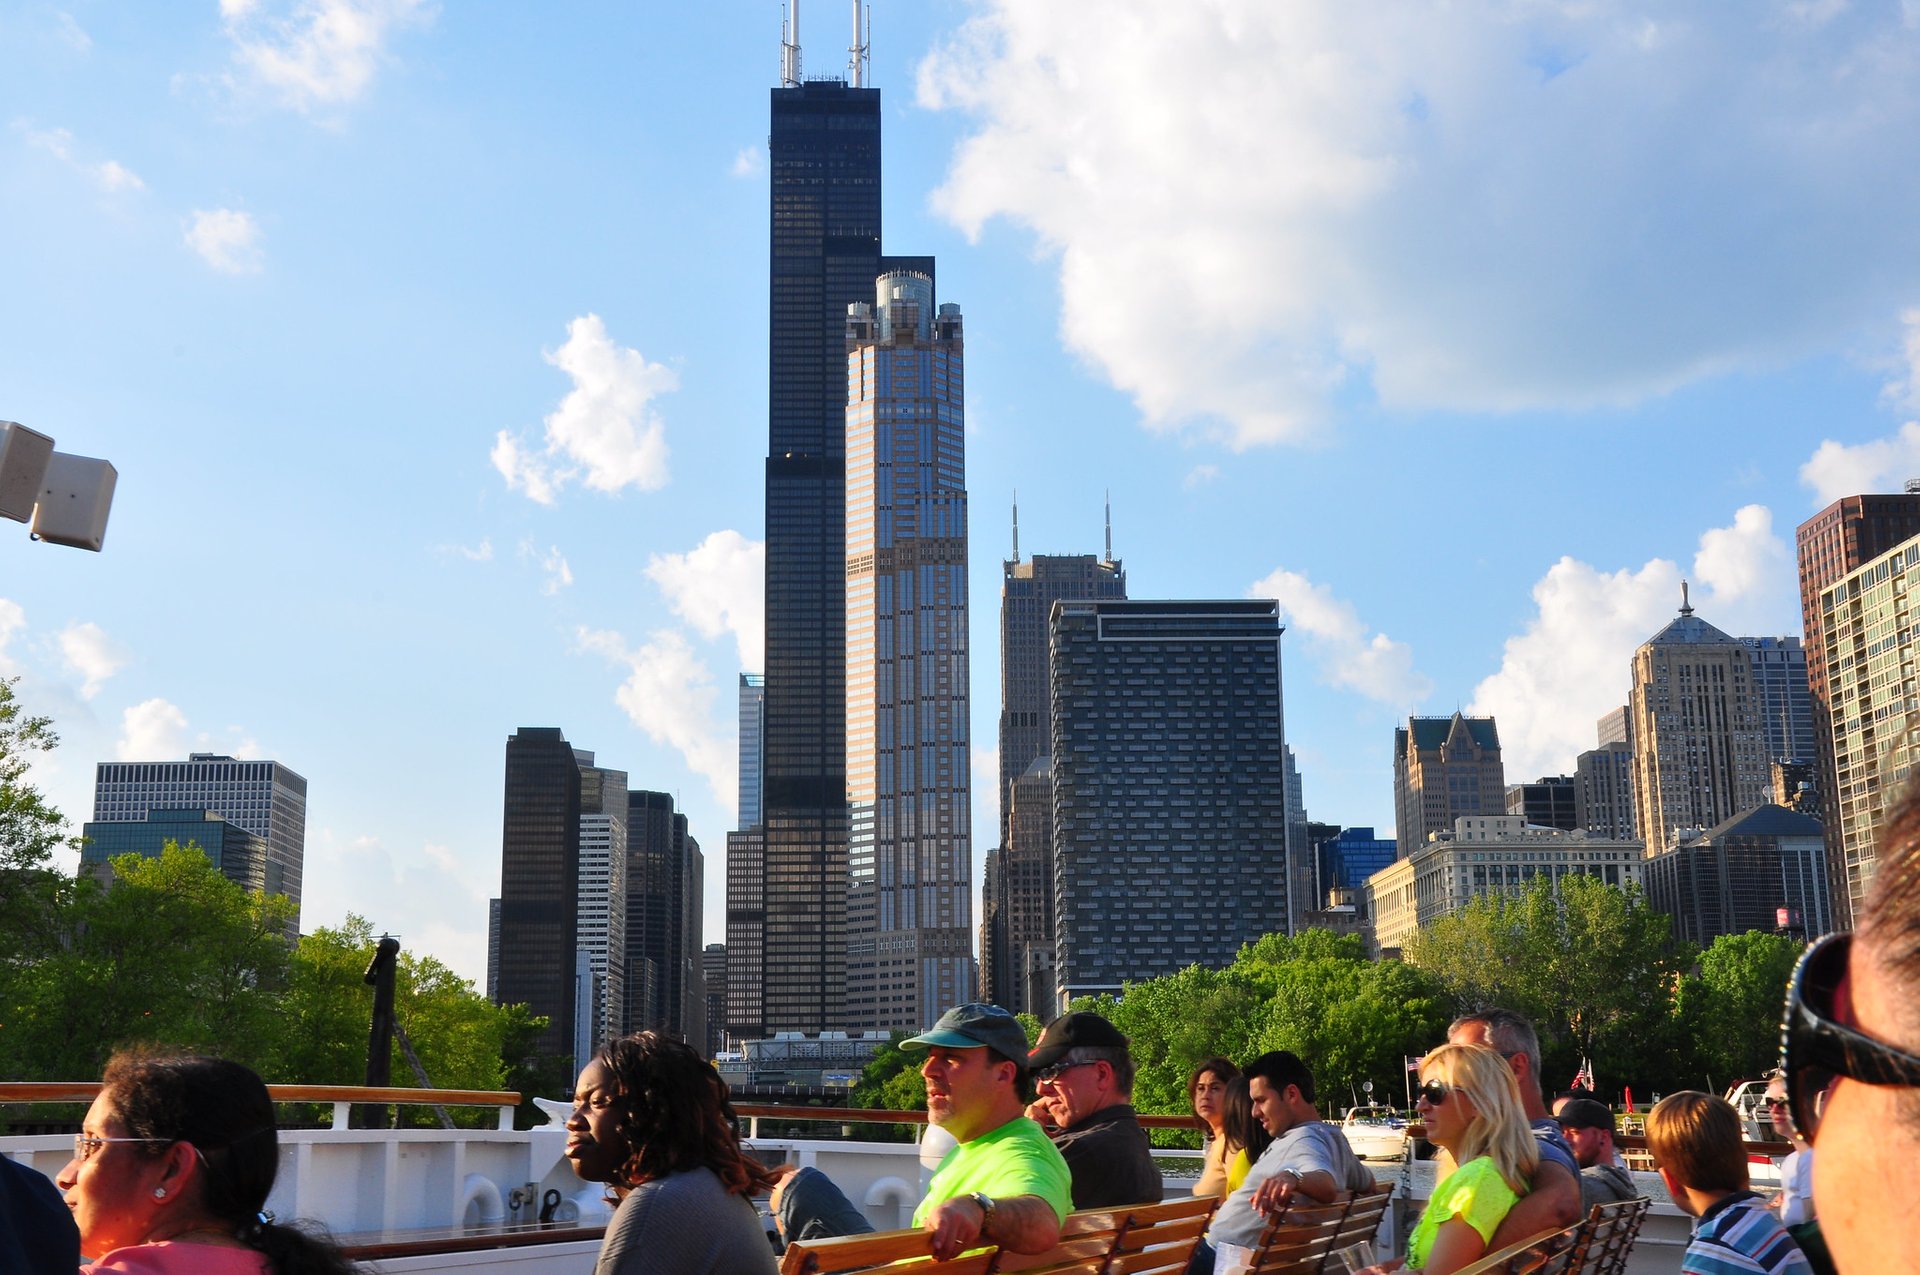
(985, 1202)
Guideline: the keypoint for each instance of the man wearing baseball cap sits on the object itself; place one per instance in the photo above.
(1083, 1071)
(1003, 1184)
(1588, 1126)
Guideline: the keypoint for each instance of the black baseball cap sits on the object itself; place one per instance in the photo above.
(1070, 1030)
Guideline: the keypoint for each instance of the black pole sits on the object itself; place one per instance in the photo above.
(380, 1034)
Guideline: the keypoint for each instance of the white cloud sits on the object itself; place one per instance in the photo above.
(482, 552)
(110, 175)
(670, 695)
(313, 54)
(13, 619)
(1903, 391)
(605, 432)
(1571, 663)
(226, 239)
(719, 587)
(1200, 476)
(1478, 206)
(152, 729)
(73, 33)
(1376, 666)
(748, 161)
(88, 651)
(1836, 469)
(559, 575)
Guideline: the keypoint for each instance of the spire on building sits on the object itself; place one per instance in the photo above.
(860, 50)
(1685, 608)
(1016, 525)
(790, 47)
(1109, 557)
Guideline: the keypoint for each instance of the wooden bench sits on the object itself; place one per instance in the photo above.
(1306, 1234)
(1598, 1244)
(1144, 1239)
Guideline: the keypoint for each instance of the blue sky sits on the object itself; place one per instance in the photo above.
(429, 344)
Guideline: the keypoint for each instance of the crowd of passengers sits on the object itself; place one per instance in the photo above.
(177, 1155)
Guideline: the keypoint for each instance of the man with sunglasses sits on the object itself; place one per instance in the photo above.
(1851, 1052)
(1083, 1073)
(1554, 1201)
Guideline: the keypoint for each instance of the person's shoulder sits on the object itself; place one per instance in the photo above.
(1748, 1230)
(179, 1259)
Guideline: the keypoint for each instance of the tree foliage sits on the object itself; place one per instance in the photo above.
(1730, 1004)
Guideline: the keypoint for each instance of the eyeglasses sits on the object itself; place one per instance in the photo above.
(84, 1146)
(1434, 1091)
(1049, 1075)
(1815, 1050)
(1773, 1104)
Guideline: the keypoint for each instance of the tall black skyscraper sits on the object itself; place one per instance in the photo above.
(540, 882)
(825, 255)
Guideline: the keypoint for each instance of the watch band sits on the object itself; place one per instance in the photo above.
(985, 1202)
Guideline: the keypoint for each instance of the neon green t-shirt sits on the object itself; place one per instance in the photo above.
(1016, 1159)
(1475, 1193)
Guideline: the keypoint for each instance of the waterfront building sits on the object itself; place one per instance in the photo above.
(602, 923)
(910, 855)
(240, 856)
(264, 798)
(713, 965)
(1551, 801)
(1868, 619)
(1444, 768)
(665, 975)
(753, 721)
(493, 950)
(1350, 856)
(1762, 869)
(540, 884)
(1831, 545)
(1785, 703)
(824, 255)
(746, 924)
(1016, 944)
(1603, 791)
(1484, 855)
(1615, 727)
(1170, 791)
(1700, 756)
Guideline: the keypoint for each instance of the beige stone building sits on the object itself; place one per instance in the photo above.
(1481, 856)
(1700, 751)
(1443, 768)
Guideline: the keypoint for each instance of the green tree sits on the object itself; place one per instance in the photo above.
(1730, 1004)
(33, 892)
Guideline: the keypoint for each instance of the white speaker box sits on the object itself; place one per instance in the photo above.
(75, 501)
(24, 454)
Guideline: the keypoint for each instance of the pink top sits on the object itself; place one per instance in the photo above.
(168, 1258)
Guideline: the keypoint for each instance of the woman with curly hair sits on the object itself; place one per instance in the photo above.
(1207, 1092)
(651, 1119)
(171, 1172)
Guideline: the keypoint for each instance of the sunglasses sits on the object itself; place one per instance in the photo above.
(1047, 1075)
(84, 1146)
(1434, 1091)
(1815, 1050)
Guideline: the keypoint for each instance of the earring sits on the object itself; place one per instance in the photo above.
(159, 1193)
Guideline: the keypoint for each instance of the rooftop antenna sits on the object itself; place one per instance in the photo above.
(790, 47)
(861, 49)
(1109, 496)
(1685, 609)
(1016, 524)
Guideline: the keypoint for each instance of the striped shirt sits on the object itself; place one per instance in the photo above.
(1740, 1236)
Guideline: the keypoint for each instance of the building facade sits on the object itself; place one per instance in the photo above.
(1867, 626)
(666, 978)
(909, 791)
(746, 924)
(1763, 869)
(1482, 856)
(240, 856)
(1603, 791)
(264, 798)
(753, 721)
(1786, 704)
(1700, 756)
(1833, 544)
(713, 961)
(1551, 801)
(1170, 793)
(1016, 943)
(602, 925)
(540, 883)
(1444, 768)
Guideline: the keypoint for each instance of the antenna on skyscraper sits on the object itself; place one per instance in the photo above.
(860, 49)
(1016, 524)
(1685, 607)
(1109, 557)
(790, 46)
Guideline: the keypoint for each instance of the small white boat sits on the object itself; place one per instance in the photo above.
(1375, 1132)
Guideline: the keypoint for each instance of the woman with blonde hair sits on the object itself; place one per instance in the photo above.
(1471, 1105)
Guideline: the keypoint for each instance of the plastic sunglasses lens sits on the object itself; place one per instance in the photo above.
(1435, 1092)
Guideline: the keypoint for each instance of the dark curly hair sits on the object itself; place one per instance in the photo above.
(1223, 1071)
(673, 1111)
(222, 1109)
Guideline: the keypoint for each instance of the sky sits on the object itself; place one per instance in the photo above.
(429, 344)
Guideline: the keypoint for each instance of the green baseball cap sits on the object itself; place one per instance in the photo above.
(972, 1025)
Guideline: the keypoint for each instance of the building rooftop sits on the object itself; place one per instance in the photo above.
(1763, 821)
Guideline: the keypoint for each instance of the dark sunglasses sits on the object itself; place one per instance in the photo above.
(1434, 1091)
(1815, 1050)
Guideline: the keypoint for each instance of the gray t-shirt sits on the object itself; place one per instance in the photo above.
(685, 1224)
(1312, 1146)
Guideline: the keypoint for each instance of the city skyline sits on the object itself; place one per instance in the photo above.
(438, 359)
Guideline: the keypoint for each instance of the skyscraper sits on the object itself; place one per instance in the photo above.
(1603, 793)
(910, 857)
(603, 896)
(1551, 801)
(1785, 703)
(264, 798)
(1016, 944)
(824, 256)
(753, 720)
(540, 883)
(667, 980)
(1835, 542)
(1170, 789)
(1700, 756)
(1444, 768)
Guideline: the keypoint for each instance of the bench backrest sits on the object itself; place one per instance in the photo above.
(1140, 1239)
(1606, 1236)
(879, 1250)
(1306, 1234)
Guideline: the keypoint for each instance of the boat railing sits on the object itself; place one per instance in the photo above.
(342, 1098)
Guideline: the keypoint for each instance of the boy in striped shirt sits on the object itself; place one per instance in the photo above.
(1695, 1141)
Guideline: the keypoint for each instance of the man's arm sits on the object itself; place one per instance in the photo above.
(1274, 1194)
(1022, 1223)
(1553, 1203)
